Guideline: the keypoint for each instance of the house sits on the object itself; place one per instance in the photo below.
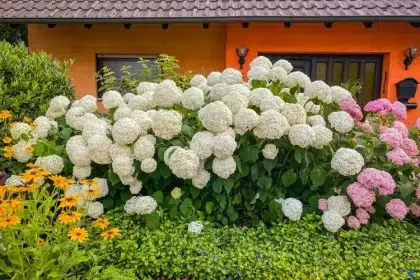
(373, 41)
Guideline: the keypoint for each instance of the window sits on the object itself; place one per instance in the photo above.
(337, 69)
(116, 62)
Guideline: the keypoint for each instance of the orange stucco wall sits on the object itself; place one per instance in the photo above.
(389, 39)
(199, 50)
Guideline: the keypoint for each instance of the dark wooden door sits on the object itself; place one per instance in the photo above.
(338, 69)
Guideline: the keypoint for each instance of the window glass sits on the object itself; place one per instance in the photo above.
(321, 71)
(337, 78)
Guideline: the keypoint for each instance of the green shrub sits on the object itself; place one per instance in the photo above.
(29, 81)
(291, 250)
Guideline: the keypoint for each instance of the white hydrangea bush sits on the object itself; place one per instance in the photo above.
(222, 134)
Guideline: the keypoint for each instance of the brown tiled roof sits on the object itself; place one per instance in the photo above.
(212, 10)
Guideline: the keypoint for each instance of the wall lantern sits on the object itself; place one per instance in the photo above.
(406, 89)
(410, 54)
(242, 52)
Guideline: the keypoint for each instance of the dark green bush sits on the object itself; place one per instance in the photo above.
(28, 81)
(291, 250)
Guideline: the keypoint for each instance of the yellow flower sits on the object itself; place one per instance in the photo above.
(12, 124)
(61, 182)
(13, 205)
(33, 125)
(102, 223)
(111, 233)
(7, 140)
(3, 190)
(78, 234)
(33, 175)
(93, 192)
(8, 149)
(32, 165)
(5, 114)
(9, 221)
(29, 149)
(7, 155)
(27, 119)
(69, 217)
(33, 187)
(69, 200)
(92, 183)
(40, 241)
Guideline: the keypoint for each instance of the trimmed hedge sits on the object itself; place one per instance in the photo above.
(291, 250)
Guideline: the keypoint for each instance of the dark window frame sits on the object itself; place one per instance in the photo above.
(100, 58)
(345, 59)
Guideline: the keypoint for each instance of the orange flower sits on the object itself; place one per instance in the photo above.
(33, 175)
(78, 234)
(40, 241)
(29, 149)
(7, 140)
(69, 201)
(102, 223)
(3, 190)
(69, 217)
(13, 205)
(5, 114)
(32, 165)
(93, 192)
(111, 233)
(8, 149)
(61, 182)
(27, 119)
(9, 221)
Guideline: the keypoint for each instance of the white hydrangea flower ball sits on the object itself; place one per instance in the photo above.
(184, 163)
(125, 131)
(302, 135)
(277, 74)
(42, 126)
(215, 116)
(95, 209)
(332, 221)
(338, 94)
(316, 120)
(74, 117)
(123, 166)
(224, 167)
(136, 187)
(286, 65)
(201, 179)
(166, 124)
(127, 180)
(193, 99)
(292, 208)
(241, 88)
(271, 125)
(195, 227)
(91, 128)
(204, 87)
(98, 147)
(341, 121)
(142, 205)
(13, 181)
(223, 146)
(320, 90)
(54, 127)
(103, 186)
(245, 120)
(53, 164)
(149, 97)
(271, 103)
(57, 107)
(88, 102)
(138, 102)
(168, 153)
(347, 162)
(229, 132)
(270, 151)
(339, 204)
(297, 79)
(202, 144)
(19, 129)
(143, 121)
(235, 101)
(167, 94)
(112, 99)
(213, 78)
(81, 172)
(258, 73)
(148, 165)
(19, 151)
(258, 94)
(77, 150)
(146, 87)
(127, 97)
(231, 76)
(198, 79)
(218, 91)
(261, 61)
(120, 150)
(323, 136)
(294, 113)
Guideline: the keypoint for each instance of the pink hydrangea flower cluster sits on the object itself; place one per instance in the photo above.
(410, 147)
(323, 205)
(372, 178)
(391, 136)
(363, 216)
(415, 209)
(366, 127)
(350, 106)
(401, 127)
(353, 222)
(397, 209)
(398, 156)
(382, 106)
(361, 196)
(399, 111)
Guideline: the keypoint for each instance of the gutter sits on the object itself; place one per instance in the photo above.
(216, 19)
